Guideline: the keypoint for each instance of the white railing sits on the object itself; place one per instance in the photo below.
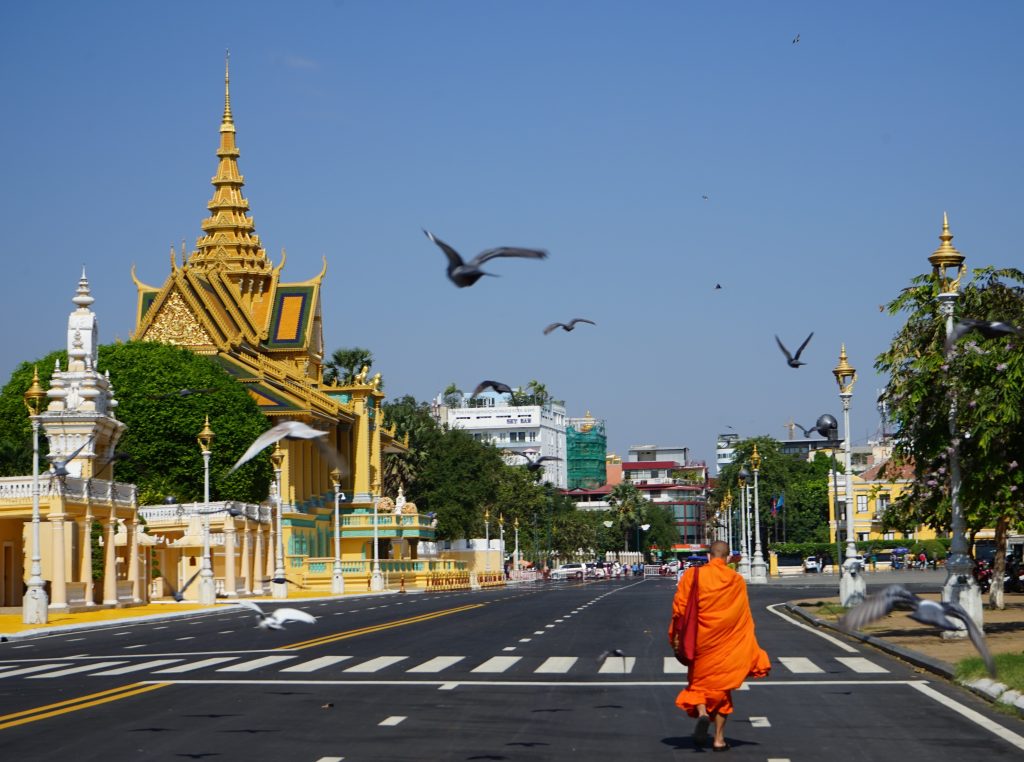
(185, 511)
(19, 488)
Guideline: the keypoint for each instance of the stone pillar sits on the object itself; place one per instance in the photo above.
(132, 525)
(58, 570)
(257, 562)
(110, 561)
(230, 576)
(85, 571)
(414, 548)
(271, 548)
(246, 556)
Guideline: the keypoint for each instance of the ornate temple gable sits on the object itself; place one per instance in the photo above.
(174, 322)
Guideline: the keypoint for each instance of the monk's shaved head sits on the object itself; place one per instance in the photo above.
(719, 549)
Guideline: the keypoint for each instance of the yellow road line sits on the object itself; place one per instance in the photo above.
(73, 705)
(323, 640)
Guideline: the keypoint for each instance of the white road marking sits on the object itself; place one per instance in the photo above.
(375, 665)
(161, 627)
(673, 667)
(993, 727)
(618, 665)
(30, 670)
(759, 722)
(29, 645)
(126, 632)
(528, 683)
(548, 626)
(539, 632)
(556, 665)
(834, 641)
(196, 665)
(497, 664)
(134, 668)
(447, 686)
(437, 664)
(137, 645)
(390, 722)
(225, 632)
(559, 620)
(334, 759)
(187, 637)
(75, 670)
(71, 640)
(861, 665)
(525, 640)
(509, 648)
(778, 759)
(249, 666)
(314, 664)
(800, 665)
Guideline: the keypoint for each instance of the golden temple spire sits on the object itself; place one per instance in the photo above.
(227, 122)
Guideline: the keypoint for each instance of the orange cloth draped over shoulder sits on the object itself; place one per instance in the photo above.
(727, 649)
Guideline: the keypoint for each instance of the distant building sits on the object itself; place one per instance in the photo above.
(534, 430)
(586, 452)
(667, 477)
(725, 450)
(612, 469)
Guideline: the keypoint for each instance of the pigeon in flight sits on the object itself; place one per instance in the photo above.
(276, 620)
(497, 386)
(793, 361)
(464, 274)
(285, 581)
(571, 325)
(796, 39)
(294, 430)
(990, 329)
(806, 432)
(927, 612)
(718, 287)
(705, 197)
(58, 463)
(535, 464)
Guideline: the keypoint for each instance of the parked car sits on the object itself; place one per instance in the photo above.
(569, 571)
(811, 565)
(595, 571)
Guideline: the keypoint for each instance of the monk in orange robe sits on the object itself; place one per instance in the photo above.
(727, 650)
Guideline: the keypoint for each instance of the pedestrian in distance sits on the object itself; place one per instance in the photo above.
(726, 653)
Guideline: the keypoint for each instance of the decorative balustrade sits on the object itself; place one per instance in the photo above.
(19, 488)
(218, 510)
(388, 521)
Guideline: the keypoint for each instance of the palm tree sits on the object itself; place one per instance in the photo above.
(345, 363)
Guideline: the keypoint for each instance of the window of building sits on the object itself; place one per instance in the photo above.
(863, 536)
(862, 503)
(533, 436)
(882, 502)
(841, 508)
(889, 536)
(655, 474)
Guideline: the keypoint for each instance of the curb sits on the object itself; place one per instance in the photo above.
(218, 608)
(990, 690)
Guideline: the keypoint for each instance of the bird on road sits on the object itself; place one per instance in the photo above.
(276, 620)
(793, 361)
(497, 386)
(535, 464)
(990, 329)
(463, 273)
(571, 325)
(935, 613)
(293, 430)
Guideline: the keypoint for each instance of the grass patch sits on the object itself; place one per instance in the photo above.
(1009, 670)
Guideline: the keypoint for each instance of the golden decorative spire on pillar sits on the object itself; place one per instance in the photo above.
(947, 262)
(230, 240)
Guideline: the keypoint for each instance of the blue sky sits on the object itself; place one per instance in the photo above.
(591, 129)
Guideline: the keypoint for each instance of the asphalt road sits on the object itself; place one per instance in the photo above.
(509, 674)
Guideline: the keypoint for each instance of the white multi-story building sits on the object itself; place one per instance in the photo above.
(534, 430)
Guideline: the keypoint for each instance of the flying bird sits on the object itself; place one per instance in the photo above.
(796, 39)
(497, 386)
(535, 464)
(276, 620)
(464, 274)
(614, 652)
(718, 287)
(293, 430)
(58, 463)
(705, 196)
(806, 432)
(927, 612)
(571, 325)
(793, 361)
(990, 329)
(285, 581)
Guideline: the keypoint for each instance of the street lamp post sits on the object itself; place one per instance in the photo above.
(727, 507)
(640, 527)
(744, 565)
(515, 526)
(501, 541)
(207, 586)
(852, 585)
(376, 578)
(278, 585)
(828, 427)
(487, 539)
(960, 586)
(337, 575)
(35, 606)
(758, 569)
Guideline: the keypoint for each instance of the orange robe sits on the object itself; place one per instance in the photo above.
(727, 649)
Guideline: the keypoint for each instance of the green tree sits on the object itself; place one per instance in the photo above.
(415, 419)
(158, 449)
(985, 378)
(345, 364)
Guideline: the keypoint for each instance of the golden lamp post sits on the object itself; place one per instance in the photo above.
(727, 508)
(960, 587)
(744, 565)
(337, 574)
(278, 585)
(852, 585)
(487, 539)
(35, 606)
(758, 568)
(207, 586)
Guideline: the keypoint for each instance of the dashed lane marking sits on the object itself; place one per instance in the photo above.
(75, 670)
(800, 665)
(861, 665)
(437, 664)
(135, 667)
(759, 722)
(314, 664)
(254, 664)
(196, 665)
(390, 722)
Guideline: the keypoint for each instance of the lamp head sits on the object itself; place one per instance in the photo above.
(727, 500)
(846, 375)
(35, 395)
(205, 436)
(743, 475)
(277, 457)
(947, 263)
(827, 426)
(755, 460)
(335, 478)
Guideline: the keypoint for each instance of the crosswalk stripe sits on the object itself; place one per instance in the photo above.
(314, 664)
(75, 670)
(249, 666)
(30, 670)
(861, 665)
(134, 667)
(800, 665)
(556, 665)
(195, 665)
(375, 665)
(437, 664)
(497, 664)
(673, 667)
(618, 665)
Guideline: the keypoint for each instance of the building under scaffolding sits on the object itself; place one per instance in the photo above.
(586, 448)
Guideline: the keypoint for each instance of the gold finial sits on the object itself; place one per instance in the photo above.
(35, 395)
(227, 119)
(727, 500)
(205, 436)
(947, 263)
(846, 374)
(174, 264)
(755, 459)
